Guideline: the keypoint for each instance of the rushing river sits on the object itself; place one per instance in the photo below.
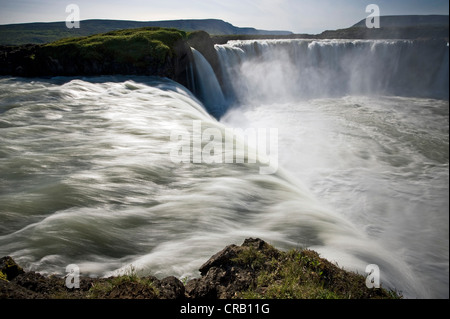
(88, 177)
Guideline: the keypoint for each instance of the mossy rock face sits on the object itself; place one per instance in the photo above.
(123, 289)
(124, 46)
(9, 268)
(150, 51)
(256, 270)
(133, 51)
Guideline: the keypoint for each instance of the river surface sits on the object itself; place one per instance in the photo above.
(88, 176)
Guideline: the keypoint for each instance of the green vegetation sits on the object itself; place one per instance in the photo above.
(9, 269)
(303, 275)
(256, 259)
(255, 270)
(129, 285)
(138, 47)
(40, 33)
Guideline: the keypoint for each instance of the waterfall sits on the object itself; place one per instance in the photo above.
(209, 90)
(89, 176)
(280, 70)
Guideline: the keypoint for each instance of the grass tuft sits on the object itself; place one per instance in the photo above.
(123, 286)
(304, 275)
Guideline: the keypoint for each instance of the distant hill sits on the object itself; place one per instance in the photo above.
(392, 27)
(396, 27)
(426, 27)
(38, 33)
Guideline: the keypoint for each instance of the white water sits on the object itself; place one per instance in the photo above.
(86, 176)
(209, 89)
(287, 70)
(379, 161)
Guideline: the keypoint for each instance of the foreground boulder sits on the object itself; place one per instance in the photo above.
(257, 270)
(231, 271)
(9, 268)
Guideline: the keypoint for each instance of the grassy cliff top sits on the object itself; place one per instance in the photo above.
(126, 46)
(163, 35)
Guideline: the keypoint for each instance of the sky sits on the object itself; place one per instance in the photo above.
(299, 16)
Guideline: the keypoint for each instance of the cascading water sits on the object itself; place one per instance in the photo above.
(209, 90)
(87, 176)
(283, 70)
(353, 130)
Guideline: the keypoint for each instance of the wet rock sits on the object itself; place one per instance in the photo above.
(131, 290)
(221, 259)
(9, 267)
(224, 274)
(171, 288)
(41, 285)
(202, 42)
(208, 286)
(10, 290)
(43, 61)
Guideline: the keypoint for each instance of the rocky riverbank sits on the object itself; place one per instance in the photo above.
(254, 270)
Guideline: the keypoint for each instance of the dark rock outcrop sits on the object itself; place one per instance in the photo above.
(226, 274)
(255, 269)
(17, 60)
(9, 268)
(32, 285)
(36, 61)
(170, 288)
(202, 42)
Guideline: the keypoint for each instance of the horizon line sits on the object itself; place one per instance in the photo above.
(197, 19)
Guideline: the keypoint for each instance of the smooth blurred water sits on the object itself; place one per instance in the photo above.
(86, 178)
(381, 163)
(354, 132)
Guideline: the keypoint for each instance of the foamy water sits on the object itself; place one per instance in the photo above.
(87, 177)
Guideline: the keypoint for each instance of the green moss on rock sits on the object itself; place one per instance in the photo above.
(3, 276)
(303, 274)
(9, 268)
(139, 47)
(256, 270)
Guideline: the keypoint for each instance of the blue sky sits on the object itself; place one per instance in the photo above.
(300, 16)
